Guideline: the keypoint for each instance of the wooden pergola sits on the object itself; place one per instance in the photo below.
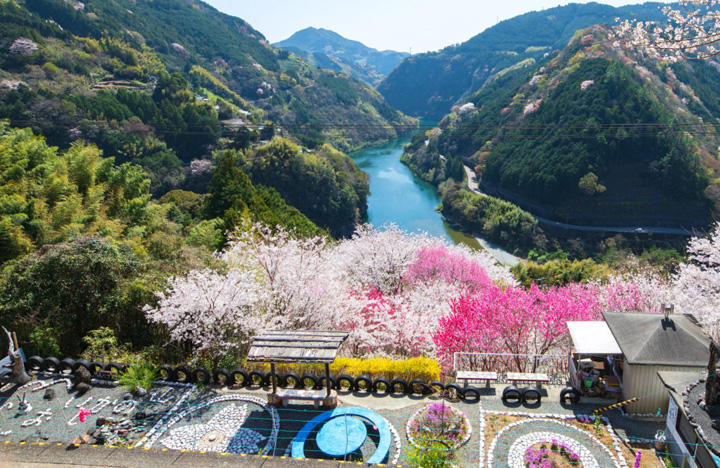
(297, 346)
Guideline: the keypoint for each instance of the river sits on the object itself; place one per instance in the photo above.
(397, 196)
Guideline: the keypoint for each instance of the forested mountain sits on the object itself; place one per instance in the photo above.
(178, 89)
(594, 134)
(222, 56)
(429, 84)
(328, 49)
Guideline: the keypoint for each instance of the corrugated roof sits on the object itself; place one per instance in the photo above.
(651, 340)
(593, 337)
(308, 346)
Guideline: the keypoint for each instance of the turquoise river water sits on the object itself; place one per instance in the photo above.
(397, 196)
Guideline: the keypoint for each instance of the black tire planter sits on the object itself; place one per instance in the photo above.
(81, 363)
(201, 376)
(323, 382)
(569, 395)
(183, 374)
(240, 378)
(96, 366)
(269, 377)
(531, 396)
(256, 379)
(471, 395)
(349, 379)
(167, 373)
(115, 367)
(381, 386)
(454, 392)
(66, 366)
(399, 386)
(512, 393)
(222, 377)
(436, 387)
(309, 381)
(291, 380)
(418, 387)
(51, 364)
(363, 384)
(34, 363)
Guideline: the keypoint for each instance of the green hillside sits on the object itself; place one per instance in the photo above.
(592, 135)
(228, 58)
(429, 84)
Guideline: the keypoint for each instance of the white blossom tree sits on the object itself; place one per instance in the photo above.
(697, 283)
(212, 311)
(378, 258)
(299, 279)
(691, 31)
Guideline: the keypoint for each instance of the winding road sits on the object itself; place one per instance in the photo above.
(474, 187)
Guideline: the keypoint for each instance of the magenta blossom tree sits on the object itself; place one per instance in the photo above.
(513, 320)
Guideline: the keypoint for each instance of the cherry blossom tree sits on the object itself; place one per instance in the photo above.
(691, 31)
(697, 283)
(297, 274)
(212, 311)
(378, 258)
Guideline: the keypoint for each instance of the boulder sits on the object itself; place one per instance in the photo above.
(81, 375)
(82, 388)
(49, 394)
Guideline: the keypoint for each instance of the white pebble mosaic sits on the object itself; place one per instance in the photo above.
(618, 461)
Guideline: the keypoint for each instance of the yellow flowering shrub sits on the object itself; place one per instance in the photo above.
(408, 369)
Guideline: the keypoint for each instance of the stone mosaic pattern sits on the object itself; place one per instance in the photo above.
(505, 450)
(222, 433)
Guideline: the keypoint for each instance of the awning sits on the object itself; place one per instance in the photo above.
(593, 337)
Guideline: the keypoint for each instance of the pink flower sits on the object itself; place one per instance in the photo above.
(83, 414)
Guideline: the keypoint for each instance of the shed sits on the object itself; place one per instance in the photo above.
(651, 343)
(302, 346)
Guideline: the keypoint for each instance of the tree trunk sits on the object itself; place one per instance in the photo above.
(712, 385)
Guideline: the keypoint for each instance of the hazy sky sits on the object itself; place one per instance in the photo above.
(420, 25)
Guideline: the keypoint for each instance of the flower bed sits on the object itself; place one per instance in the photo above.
(499, 422)
(439, 422)
(549, 454)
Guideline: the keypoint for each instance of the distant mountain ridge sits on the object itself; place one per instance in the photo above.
(328, 49)
(429, 84)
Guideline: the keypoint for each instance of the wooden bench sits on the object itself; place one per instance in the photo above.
(474, 375)
(534, 377)
(286, 394)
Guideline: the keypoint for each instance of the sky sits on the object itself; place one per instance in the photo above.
(403, 25)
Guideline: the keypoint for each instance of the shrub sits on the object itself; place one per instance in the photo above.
(432, 455)
(414, 368)
(141, 375)
(408, 369)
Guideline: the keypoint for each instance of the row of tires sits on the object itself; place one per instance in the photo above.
(68, 366)
(257, 379)
(527, 395)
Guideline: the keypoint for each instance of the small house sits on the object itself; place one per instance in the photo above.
(652, 343)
